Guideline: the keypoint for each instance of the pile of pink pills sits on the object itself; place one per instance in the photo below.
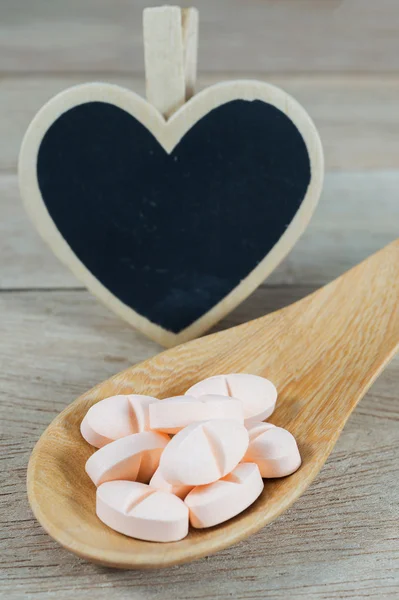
(151, 486)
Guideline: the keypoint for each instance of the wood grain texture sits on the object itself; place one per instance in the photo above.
(339, 540)
(267, 36)
(337, 237)
(355, 115)
(323, 353)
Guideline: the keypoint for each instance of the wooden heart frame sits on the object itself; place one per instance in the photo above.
(168, 133)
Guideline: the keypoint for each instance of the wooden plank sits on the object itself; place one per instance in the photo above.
(56, 325)
(338, 237)
(268, 36)
(339, 540)
(356, 116)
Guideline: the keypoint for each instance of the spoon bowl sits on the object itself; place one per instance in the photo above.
(323, 353)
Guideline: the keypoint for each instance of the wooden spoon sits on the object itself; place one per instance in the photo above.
(323, 353)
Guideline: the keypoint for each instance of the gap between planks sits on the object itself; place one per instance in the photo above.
(337, 238)
(311, 35)
(356, 116)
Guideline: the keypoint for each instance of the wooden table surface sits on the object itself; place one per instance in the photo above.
(341, 60)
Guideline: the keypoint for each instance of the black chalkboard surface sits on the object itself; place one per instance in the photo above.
(170, 234)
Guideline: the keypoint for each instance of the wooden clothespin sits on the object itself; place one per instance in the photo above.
(170, 52)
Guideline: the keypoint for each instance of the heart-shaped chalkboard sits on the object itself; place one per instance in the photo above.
(172, 223)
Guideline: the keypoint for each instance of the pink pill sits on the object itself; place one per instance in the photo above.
(257, 394)
(158, 482)
(132, 457)
(203, 452)
(223, 407)
(255, 428)
(274, 450)
(142, 512)
(219, 501)
(116, 417)
(212, 385)
(173, 414)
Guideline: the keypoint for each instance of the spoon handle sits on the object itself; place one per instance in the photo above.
(339, 340)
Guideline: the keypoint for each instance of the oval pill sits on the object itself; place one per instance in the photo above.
(116, 417)
(275, 451)
(173, 414)
(254, 428)
(217, 384)
(142, 512)
(203, 452)
(132, 457)
(157, 481)
(257, 394)
(217, 502)
(223, 407)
